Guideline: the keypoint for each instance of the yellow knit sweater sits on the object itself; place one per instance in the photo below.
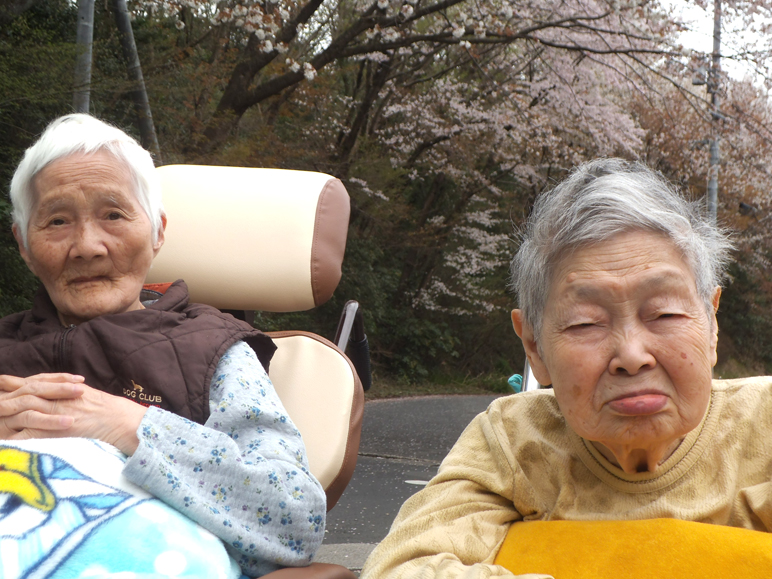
(519, 460)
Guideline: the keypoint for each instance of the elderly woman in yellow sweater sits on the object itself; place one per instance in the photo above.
(617, 278)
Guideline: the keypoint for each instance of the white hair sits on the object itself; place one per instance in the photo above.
(598, 200)
(79, 133)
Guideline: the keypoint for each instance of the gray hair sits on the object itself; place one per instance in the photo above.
(600, 199)
(79, 133)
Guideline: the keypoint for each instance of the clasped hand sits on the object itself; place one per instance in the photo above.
(63, 405)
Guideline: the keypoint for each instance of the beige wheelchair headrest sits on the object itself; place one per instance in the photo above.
(252, 239)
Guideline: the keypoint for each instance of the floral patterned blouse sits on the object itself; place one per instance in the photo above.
(242, 475)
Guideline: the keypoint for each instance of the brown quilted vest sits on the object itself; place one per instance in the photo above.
(164, 355)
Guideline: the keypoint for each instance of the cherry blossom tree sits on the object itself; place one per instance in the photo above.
(676, 143)
(447, 118)
(287, 42)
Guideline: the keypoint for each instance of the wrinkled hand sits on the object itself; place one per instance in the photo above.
(61, 405)
(29, 403)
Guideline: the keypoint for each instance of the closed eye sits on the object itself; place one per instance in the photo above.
(582, 325)
(667, 317)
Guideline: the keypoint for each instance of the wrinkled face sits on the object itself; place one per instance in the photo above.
(627, 343)
(90, 241)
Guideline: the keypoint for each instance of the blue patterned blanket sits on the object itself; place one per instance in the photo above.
(66, 511)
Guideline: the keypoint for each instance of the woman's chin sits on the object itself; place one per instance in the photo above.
(643, 443)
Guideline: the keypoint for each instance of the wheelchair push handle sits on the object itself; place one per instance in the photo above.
(350, 337)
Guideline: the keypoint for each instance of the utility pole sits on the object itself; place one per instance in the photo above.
(138, 90)
(82, 93)
(714, 84)
(85, 39)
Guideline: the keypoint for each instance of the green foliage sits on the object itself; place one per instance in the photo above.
(17, 284)
(37, 55)
(389, 258)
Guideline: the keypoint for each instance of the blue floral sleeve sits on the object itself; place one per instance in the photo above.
(243, 475)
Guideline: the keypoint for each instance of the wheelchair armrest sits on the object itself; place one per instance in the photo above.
(350, 337)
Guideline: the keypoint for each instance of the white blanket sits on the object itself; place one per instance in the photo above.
(66, 511)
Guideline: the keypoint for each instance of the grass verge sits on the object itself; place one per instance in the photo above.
(386, 387)
(734, 368)
(443, 385)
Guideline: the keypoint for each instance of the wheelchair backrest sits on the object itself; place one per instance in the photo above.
(272, 240)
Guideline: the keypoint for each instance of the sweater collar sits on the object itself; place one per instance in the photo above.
(676, 466)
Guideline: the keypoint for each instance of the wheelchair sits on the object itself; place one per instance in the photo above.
(249, 239)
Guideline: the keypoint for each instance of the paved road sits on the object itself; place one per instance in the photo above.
(403, 443)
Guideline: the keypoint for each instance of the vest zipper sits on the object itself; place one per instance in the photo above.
(63, 355)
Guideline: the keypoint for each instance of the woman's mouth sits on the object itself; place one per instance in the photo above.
(639, 404)
(87, 280)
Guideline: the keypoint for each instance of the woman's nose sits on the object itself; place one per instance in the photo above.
(88, 241)
(632, 353)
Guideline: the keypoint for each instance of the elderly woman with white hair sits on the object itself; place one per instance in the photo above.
(178, 387)
(618, 280)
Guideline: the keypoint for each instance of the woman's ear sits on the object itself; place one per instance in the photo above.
(22, 249)
(714, 326)
(161, 238)
(535, 360)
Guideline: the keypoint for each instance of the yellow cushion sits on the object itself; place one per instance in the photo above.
(635, 549)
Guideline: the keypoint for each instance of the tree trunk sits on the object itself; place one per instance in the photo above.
(238, 97)
(349, 141)
(84, 39)
(138, 90)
